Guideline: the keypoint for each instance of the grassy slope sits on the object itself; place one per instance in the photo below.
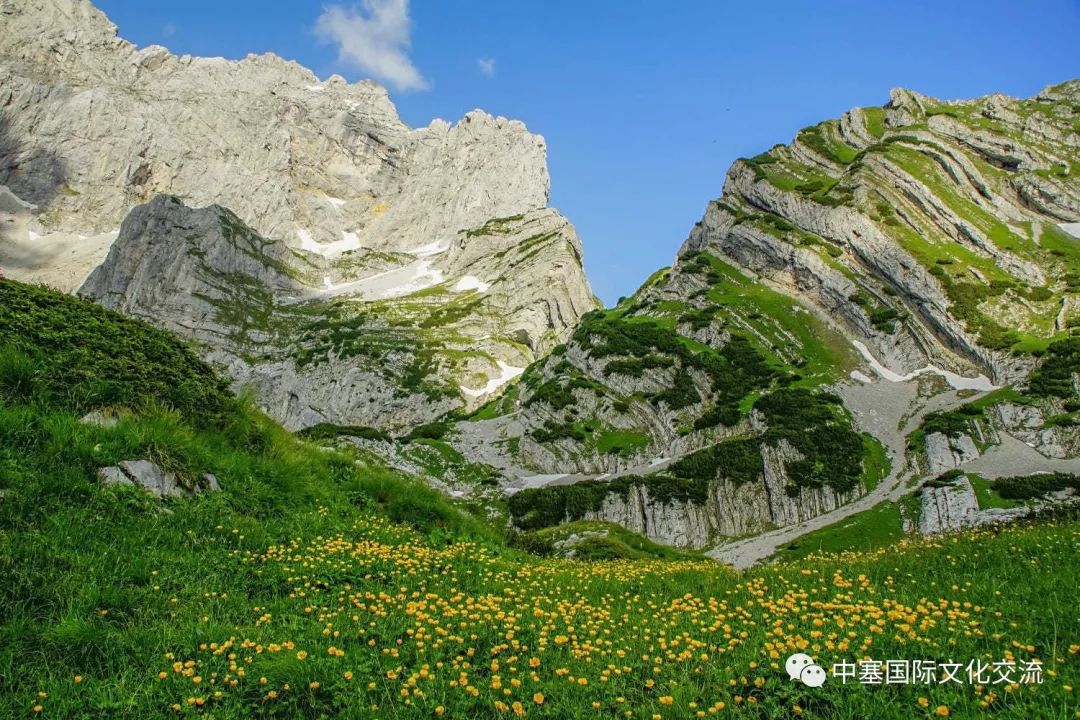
(878, 527)
(311, 587)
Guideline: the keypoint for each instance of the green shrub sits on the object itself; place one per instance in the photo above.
(1060, 365)
(1034, 486)
(954, 422)
(552, 431)
(815, 424)
(431, 431)
(329, 431)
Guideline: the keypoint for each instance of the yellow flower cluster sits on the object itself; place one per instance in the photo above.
(464, 631)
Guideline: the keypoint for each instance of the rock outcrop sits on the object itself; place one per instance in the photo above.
(150, 477)
(945, 453)
(347, 352)
(443, 229)
(952, 506)
(729, 511)
(931, 231)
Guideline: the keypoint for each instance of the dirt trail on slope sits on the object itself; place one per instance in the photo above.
(887, 410)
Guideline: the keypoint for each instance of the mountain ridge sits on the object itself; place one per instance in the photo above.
(797, 263)
(357, 206)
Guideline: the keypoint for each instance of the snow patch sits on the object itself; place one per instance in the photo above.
(658, 461)
(307, 242)
(18, 200)
(532, 481)
(315, 88)
(506, 374)
(390, 283)
(436, 248)
(349, 241)
(471, 282)
(861, 377)
(1071, 228)
(958, 382)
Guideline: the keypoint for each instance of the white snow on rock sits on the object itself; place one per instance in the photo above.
(471, 282)
(397, 282)
(430, 249)
(1071, 228)
(349, 241)
(861, 377)
(315, 88)
(307, 242)
(6, 191)
(958, 382)
(335, 201)
(506, 374)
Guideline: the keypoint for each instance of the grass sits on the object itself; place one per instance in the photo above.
(876, 463)
(987, 496)
(878, 527)
(622, 442)
(65, 352)
(312, 586)
(875, 121)
(783, 329)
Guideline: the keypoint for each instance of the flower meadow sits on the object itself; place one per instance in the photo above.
(316, 586)
(376, 620)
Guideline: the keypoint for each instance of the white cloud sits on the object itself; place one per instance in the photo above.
(373, 35)
(487, 66)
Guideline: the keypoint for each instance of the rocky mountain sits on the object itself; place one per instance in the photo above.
(878, 301)
(354, 268)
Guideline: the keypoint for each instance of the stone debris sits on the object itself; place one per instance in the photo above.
(149, 476)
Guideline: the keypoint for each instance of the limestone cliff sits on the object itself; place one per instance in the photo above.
(444, 228)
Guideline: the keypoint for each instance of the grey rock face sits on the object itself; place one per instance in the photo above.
(211, 483)
(113, 475)
(97, 126)
(150, 477)
(945, 453)
(1027, 423)
(270, 315)
(348, 203)
(952, 507)
(729, 511)
(100, 419)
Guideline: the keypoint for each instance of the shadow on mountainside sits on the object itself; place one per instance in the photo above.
(35, 175)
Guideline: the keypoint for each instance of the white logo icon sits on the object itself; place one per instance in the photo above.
(800, 666)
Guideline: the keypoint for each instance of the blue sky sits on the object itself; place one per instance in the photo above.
(643, 104)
